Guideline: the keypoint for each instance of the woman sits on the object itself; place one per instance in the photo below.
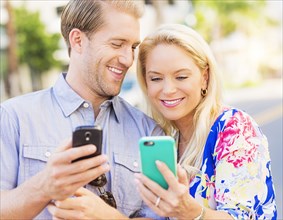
(222, 149)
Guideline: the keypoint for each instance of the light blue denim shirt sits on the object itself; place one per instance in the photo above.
(33, 125)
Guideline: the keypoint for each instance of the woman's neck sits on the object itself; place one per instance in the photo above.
(185, 134)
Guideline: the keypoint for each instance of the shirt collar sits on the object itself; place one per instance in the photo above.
(117, 107)
(69, 101)
(115, 104)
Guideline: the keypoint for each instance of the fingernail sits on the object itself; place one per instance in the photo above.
(158, 162)
(92, 148)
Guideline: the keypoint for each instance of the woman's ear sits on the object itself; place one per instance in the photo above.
(75, 39)
(205, 78)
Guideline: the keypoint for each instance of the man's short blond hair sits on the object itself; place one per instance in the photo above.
(87, 15)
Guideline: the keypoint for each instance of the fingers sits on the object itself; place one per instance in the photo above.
(86, 164)
(62, 167)
(78, 179)
(59, 213)
(171, 199)
(65, 145)
(147, 196)
(82, 192)
(167, 174)
(77, 152)
(67, 153)
(61, 178)
(146, 186)
(182, 175)
(68, 204)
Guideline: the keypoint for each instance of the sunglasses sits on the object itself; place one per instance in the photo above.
(107, 196)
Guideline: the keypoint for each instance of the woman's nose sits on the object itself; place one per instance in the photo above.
(169, 86)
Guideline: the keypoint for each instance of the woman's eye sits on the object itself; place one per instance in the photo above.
(181, 77)
(155, 78)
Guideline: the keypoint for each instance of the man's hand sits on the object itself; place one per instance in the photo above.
(61, 178)
(84, 205)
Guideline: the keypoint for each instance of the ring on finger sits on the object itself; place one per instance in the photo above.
(157, 201)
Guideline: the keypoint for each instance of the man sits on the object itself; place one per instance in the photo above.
(101, 37)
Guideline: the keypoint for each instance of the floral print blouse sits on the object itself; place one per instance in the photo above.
(235, 174)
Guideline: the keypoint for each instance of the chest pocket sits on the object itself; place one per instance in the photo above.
(123, 185)
(35, 158)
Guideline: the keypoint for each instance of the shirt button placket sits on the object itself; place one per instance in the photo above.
(47, 154)
(85, 105)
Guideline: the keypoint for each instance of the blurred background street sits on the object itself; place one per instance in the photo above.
(245, 36)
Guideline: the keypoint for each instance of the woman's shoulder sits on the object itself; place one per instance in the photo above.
(231, 118)
(229, 113)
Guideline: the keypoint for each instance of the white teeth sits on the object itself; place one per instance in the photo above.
(172, 102)
(115, 70)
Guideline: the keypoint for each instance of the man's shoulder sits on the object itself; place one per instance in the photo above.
(28, 100)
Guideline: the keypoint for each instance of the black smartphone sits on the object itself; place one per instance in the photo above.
(84, 135)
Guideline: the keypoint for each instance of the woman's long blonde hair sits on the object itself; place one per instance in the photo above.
(210, 105)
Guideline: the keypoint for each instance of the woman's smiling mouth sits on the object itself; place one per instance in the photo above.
(171, 103)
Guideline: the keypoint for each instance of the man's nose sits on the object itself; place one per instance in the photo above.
(127, 57)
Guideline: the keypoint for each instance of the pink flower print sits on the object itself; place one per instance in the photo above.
(237, 141)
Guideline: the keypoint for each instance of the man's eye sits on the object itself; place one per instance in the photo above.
(116, 45)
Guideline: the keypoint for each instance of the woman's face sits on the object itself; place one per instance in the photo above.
(174, 82)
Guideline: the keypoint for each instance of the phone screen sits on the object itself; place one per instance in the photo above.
(160, 148)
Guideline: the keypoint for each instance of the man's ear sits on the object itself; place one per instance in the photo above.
(75, 39)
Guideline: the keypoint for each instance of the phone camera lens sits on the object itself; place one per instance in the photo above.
(87, 135)
(148, 143)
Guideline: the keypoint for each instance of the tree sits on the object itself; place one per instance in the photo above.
(217, 19)
(11, 78)
(35, 46)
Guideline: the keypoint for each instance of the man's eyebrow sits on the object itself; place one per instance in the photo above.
(125, 40)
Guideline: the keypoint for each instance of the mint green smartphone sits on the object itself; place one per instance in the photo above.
(160, 148)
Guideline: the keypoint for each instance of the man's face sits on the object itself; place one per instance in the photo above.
(108, 54)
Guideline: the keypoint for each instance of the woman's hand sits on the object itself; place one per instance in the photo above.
(84, 205)
(174, 202)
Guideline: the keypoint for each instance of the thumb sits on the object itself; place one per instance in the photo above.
(82, 192)
(182, 175)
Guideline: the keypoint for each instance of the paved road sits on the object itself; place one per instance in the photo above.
(264, 103)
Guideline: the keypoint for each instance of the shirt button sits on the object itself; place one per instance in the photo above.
(47, 154)
(85, 105)
(135, 164)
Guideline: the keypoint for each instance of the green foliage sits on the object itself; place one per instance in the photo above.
(35, 46)
(219, 18)
(3, 57)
